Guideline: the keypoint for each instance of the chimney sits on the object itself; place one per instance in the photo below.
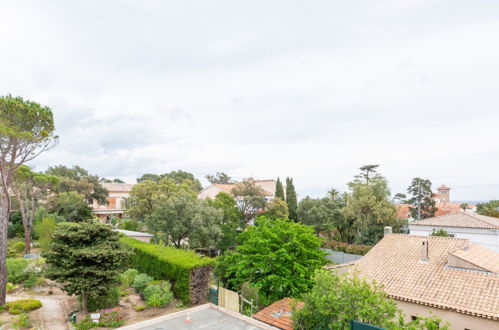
(388, 230)
(424, 250)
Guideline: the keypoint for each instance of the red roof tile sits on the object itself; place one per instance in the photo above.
(278, 314)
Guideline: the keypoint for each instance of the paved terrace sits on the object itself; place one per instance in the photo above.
(206, 317)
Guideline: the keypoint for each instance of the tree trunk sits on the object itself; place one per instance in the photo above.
(27, 239)
(4, 222)
(84, 302)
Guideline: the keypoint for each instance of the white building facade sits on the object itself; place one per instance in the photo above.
(479, 229)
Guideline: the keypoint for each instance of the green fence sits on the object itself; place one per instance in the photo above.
(356, 325)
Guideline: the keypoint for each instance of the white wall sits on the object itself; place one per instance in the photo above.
(488, 238)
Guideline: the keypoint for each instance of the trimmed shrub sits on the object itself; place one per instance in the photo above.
(23, 305)
(128, 277)
(139, 308)
(158, 295)
(141, 281)
(348, 248)
(110, 299)
(188, 272)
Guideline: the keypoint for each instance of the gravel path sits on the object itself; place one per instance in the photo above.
(52, 315)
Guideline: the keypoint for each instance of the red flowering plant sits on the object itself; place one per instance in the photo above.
(111, 318)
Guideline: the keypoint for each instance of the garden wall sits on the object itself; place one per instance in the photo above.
(188, 272)
(339, 257)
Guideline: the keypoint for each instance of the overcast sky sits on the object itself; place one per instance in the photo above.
(307, 89)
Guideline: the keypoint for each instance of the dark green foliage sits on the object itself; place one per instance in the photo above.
(15, 228)
(140, 282)
(23, 305)
(279, 190)
(421, 198)
(336, 300)
(179, 177)
(291, 199)
(108, 299)
(71, 206)
(79, 180)
(250, 199)
(440, 232)
(277, 256)
(131, 224)
(368, 207)
(219, 177)
(87, 257)
(324, 214)
(490, 208)
(230, 222)
(164, 262)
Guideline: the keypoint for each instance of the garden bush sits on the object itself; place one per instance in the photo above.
(188, 272)
(110, 299)
(22, 322)
(23, 305)
(348, 248)
(158, 295)
(141, 281)
(128, 277)
(85, 324)
(19, 246)
(15, 270)
(112, 318)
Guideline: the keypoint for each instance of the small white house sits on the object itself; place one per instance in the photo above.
(479, 229)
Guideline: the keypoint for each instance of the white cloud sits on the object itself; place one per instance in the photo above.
(279, 88)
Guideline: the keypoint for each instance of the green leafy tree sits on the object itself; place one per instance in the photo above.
(335, 300)
(400, 198)
(44, 230)
(29, 187)
(279, 190)
(324, 214)
(80, 180)
(183, 217)
(219, 177)
(277, 256)
(26, 130)
(182, 177)
(250, 199)
(368, 207)
(291, 199)
(231, 219)
(490, 208)
(424, 204)
(87, 258)
(149, 177)
(71, 206)
(277, 209)
(140, 203)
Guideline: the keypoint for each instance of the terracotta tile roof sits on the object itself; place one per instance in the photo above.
(404, 210)
(480, 256)
(117, 187)
(278, 314)
(461, 220)
(395, 263)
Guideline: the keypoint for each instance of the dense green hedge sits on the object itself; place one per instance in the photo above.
(164, 262)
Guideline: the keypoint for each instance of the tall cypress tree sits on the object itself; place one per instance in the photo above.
(279, 190)
(291, 199)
